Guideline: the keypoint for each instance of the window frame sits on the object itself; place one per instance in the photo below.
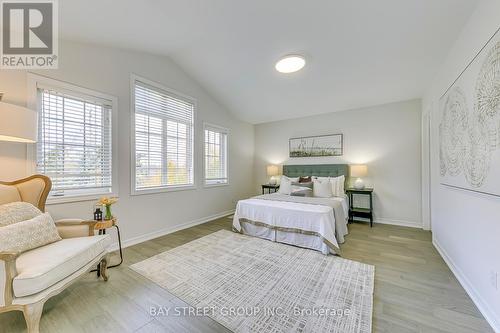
(208, 126)
(162, 189)
(34, 82)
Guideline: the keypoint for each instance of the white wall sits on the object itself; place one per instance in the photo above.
(108, 70)
(386, 138)
(466, 225)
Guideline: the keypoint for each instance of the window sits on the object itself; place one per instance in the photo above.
(164, 124)
(215, 155)
(74, 141)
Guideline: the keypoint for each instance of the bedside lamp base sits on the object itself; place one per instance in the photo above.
(359, 184)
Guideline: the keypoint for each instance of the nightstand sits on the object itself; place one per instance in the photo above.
(358, 211)
(270, 188)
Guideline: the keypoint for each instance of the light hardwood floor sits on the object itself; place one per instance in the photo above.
(414, 289)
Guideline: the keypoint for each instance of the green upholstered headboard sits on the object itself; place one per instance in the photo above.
(319, 170)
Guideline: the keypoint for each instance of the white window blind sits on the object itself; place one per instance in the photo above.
(163, 139)
(74, 143)
(215, 155)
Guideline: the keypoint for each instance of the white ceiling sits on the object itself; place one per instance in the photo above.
(359, 52)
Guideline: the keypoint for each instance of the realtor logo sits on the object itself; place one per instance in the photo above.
(29, 34)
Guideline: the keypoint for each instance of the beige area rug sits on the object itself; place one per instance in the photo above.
(249, 284)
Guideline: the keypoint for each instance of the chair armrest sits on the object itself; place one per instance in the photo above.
(69, 228)
(9, 272)
(9, 256)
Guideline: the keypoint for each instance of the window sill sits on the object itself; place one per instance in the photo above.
(162, 190)
(215, 185)
(77, 198)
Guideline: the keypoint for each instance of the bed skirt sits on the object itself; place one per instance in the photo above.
(296, 237)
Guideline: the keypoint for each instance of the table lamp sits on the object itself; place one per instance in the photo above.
(17, 124)
(272, 170)
(359, 171)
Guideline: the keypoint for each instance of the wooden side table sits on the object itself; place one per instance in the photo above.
(101, 227)
(269, 187)
(358, 211)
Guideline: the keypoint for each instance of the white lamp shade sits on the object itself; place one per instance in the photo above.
(359, 171)
(17, 124)
(272, 170)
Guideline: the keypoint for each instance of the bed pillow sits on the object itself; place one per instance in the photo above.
(322, 188)
(292, 179)
(303, 179)
(338, 186)
(309, 185)
(301, 191)
(286, 184)
(27, 235)
(15, 212)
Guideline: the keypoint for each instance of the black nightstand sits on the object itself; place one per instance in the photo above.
(357, 211)
(270, 187)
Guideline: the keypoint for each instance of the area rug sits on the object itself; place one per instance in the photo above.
(249, 284)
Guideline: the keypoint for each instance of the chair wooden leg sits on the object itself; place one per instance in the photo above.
(103, 268)
(32, 314)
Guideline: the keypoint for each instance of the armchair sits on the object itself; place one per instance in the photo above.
(29, 279)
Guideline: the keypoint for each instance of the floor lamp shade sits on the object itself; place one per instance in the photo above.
(17, 124)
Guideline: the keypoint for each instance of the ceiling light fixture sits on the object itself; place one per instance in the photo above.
(290, 63)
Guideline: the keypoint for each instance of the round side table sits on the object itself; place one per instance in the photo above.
(101, 227)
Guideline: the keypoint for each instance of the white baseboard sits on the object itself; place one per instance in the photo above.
(169, 230)
(401, 223)
(490, 316)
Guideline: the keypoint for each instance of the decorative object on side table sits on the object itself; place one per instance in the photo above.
(98, 214)
(272, 171)
(359, 171)
(106, 202)
(270, 187)
(360, 211)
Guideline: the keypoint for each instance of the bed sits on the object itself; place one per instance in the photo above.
(315, 223)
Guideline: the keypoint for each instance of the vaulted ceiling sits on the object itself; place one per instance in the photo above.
(358, 52)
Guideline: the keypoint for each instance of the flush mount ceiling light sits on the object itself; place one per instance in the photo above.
(290, 63)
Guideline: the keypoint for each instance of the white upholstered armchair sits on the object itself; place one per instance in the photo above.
(29, 279)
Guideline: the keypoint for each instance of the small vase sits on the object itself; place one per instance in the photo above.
(108, 215)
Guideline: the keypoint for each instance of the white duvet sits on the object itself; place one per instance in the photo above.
(302, 215)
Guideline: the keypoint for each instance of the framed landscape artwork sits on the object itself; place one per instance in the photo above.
(469, 130)
(317, 146)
